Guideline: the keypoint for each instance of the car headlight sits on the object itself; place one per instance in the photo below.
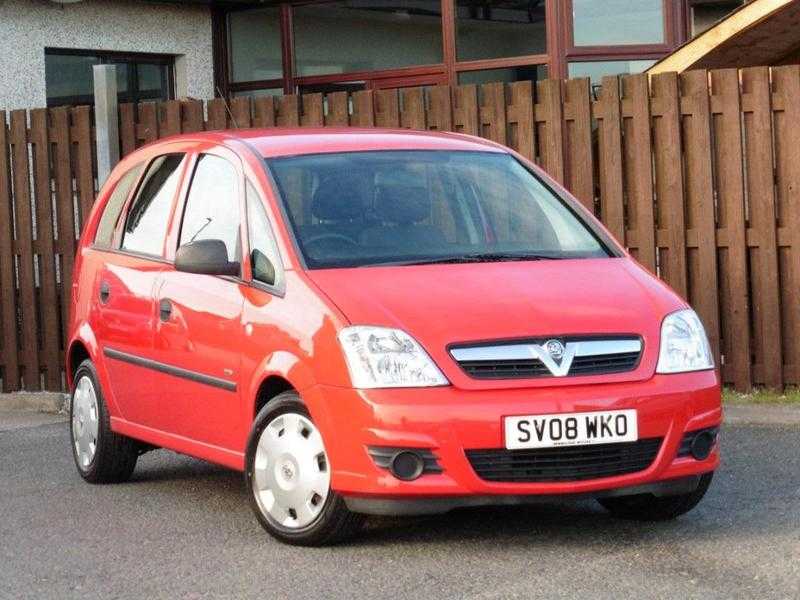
(684, 345)
(378, 357)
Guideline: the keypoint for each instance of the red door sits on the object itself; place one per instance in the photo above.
(198, 330)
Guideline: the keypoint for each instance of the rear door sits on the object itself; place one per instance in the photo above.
(124, 315)
(198, 332)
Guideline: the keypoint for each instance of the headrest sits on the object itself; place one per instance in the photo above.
(402, 204)
(341, 197)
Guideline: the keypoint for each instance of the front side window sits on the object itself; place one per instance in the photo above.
(370, 208)
(264, 257)
(212, 207)
(108, 221)
(148, 218)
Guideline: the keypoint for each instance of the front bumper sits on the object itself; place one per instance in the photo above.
(449, 421)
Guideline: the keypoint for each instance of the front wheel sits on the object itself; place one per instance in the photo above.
(647, 507)
(288, 477)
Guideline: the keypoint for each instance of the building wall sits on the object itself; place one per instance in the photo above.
(28, 26)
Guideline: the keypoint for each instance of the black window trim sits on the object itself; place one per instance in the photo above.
(113, 57)
(279, 287)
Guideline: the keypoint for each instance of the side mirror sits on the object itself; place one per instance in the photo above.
(263, 269)
(206, 257)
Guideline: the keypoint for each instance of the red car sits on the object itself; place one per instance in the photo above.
(380, 322)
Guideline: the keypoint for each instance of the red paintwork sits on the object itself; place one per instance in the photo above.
(231, 330)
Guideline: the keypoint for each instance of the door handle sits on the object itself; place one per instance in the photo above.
(105, 292)
(165, 309)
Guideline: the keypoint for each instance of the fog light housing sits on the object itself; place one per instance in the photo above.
(406, 464)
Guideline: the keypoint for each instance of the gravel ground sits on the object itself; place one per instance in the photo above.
(182, 528)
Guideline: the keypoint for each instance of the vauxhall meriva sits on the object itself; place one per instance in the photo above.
(380, 322)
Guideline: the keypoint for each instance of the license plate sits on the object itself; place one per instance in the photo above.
(575, 429)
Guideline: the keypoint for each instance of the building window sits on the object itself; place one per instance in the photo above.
(487, 29)
(69, 78)
(255, 45)
(705, 13)
(596, 70)
(526, 73)
(617, 22)
(350, 36)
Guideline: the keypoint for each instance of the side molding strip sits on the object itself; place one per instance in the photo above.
(170, 370)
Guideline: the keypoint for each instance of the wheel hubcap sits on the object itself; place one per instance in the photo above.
(85, 422)
(291, 478)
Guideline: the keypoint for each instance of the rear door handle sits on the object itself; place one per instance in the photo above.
(105, 292)
(165, 309)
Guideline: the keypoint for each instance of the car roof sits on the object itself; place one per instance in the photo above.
(274, 142)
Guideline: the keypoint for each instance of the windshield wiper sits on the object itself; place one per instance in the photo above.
(479, 258)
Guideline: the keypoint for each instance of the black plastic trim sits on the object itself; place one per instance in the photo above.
(437, 505)
(147, 363)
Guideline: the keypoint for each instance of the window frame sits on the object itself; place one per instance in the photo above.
(122, 215)
(113, 57)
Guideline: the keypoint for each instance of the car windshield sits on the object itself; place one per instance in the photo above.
(357, 209)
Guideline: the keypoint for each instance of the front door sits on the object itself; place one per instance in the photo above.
(198, 330)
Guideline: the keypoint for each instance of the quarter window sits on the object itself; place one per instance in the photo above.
(264, 259)
(148, 218)
(113, 208)
(212, 208)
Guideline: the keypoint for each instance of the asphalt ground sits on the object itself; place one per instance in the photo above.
(182, 528)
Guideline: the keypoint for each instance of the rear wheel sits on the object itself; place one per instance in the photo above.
(101, 455)
(647, 507)
(288, 478)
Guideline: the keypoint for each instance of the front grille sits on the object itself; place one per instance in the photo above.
(519, 360)
(569, 463)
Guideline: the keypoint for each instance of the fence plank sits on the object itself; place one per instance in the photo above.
(665, 108)
(608, 114)
(127, 128)
(440, 109)
(549, 112)
(264, 112)
(764, 255)
(465, 109)
(363, 109)
(288, 111)
(412, 115)
(217, 114)
(48, 299)
(387, 108)
(313, 111)
(171, 123)
(492, 112)
(8, 294)
(83, 157)
(786, 86)
(148, 122)
(734, 281)
(240, 112)
(520, 130)
(65, 209)
(24, 228)
(701, 259)
(637, 159)
(579, 175)
(338, 110)
(192, 116)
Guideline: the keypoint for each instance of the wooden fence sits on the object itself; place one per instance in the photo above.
(697, 174)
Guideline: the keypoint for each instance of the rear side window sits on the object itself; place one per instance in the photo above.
(148, 218)
(108, 221)
(212, 207)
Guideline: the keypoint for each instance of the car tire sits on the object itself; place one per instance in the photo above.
(283, 468)
(101, 456)
(647, 507)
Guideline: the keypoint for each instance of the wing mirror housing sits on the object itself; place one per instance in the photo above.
(206, 257)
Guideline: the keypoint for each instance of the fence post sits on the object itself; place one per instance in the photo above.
(106, 120)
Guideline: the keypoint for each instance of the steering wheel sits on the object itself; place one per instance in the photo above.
(331, 236)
